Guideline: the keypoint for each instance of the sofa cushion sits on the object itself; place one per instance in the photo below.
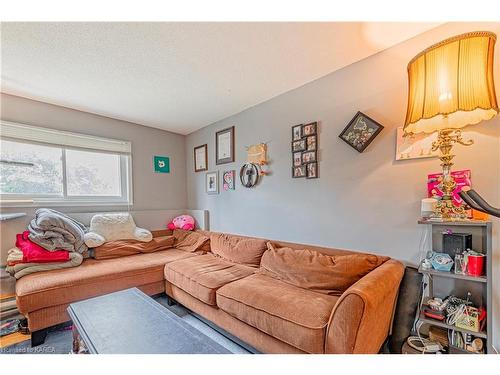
(296, 316)
(201, 276)
(309, 269)
(92, 278)
(238, 249)
(120, 248)
(191, 241)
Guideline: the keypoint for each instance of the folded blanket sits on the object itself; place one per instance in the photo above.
(23, 269)
(53, 230)
(14, 256)
(34, 253)
(120, 248)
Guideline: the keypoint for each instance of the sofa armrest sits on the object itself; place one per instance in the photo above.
(361, 318)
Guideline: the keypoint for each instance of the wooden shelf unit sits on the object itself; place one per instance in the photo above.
(446, 283)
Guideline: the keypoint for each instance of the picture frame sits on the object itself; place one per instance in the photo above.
(161, 164)
(312, 170)
(224, 146)
(305, 146)
(228, 180)
(297, 159)
(212, 182)
(309, 129)
(297, 132)
(312, 143)
(201, 158)
(309, 157)
(360, 131)
(299, 171)
(300, 145)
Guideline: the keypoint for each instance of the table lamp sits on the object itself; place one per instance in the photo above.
(451, 86)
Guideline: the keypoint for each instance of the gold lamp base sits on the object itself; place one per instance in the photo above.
(445, 208)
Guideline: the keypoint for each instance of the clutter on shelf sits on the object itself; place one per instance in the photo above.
(456, 254)
(462, 320)
(469, 262)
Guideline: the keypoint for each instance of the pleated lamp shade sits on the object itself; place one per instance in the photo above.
(451, 84)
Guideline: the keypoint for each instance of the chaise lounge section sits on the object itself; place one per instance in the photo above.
(45, 296)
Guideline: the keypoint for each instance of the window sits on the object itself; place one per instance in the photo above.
(42, 165)
(28, 169)
(93, 173)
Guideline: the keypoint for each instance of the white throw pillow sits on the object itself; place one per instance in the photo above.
(112, 227)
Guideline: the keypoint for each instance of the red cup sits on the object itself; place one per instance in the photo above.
(475, 265)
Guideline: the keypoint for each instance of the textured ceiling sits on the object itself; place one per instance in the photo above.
(180, 76)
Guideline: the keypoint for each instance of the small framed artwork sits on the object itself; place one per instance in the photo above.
(201, 158)
(312, 170)
(224, 146)
(299, 171)
(360, 132)
(161, 164)
(300, 145)
(296, 132)
(311, 143)
(212, 182)
(309, 157)
(297, 159)
(309, 129)
(228, 180)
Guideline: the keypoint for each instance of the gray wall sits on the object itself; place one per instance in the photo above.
(364, 201)
(151, 190)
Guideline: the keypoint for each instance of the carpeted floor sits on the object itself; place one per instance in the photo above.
(59, 339)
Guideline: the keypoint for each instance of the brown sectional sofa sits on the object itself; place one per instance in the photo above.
(226, 284)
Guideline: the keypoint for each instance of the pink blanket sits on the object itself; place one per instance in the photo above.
(33, 253)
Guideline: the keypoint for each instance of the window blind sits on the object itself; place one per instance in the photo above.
(37, 134)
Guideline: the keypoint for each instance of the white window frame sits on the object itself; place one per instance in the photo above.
(28, 134)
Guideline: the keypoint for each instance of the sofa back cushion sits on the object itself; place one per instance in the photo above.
(121, 248)
(191, 241)
(236, 249)
(309, 269)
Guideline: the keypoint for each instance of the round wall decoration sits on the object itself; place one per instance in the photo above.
(249, 175)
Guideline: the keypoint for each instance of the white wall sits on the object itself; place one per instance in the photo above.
(364, 201)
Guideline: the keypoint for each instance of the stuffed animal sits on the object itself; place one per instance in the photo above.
(112, 227)
(185, 222)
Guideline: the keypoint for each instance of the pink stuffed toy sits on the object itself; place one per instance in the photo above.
(185, 222)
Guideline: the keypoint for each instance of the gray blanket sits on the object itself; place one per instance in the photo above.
(53, 230)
